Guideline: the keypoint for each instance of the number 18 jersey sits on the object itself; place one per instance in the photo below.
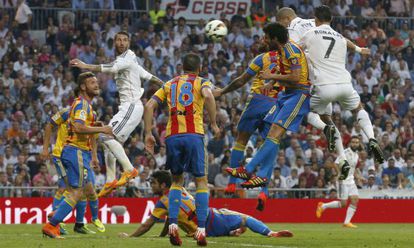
(327, 53)
(185, 103)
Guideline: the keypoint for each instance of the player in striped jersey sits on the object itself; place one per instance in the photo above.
(262, 98)
(185, 96)
(78, 153)
(222, 222)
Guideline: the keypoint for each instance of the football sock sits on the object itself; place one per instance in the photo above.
(315, 120)
(237, 155)
(332, 204)
(118, 151)
(80, 210)
(174, 200)
(65, 207)
(110, 162)
(201, 200)
(365, 123)
(338, 144)
(94, 206)
(267, 149)
(257, 226)
(267, 161)
(350, 213)
(265, 189)
(57, 199)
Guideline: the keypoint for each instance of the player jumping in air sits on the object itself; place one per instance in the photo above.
(128, 74)
(259, 103)
(347, 188)
(186, 151)
(79, 152)
(221, 222)
(292, 105)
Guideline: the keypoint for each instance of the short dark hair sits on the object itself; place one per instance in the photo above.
(323, 13)
(121, 33)
(278, 31)
(83, 76)
(162, 177)
(191, 62)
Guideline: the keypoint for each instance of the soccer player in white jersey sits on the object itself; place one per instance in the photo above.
(128, 74)
(347, 188)
(297, 28)
(332, 82)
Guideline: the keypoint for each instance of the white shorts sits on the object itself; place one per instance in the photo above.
(126, 120)
(324, 95)
(346, 190)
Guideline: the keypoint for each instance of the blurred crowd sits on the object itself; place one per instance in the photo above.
(36, 81)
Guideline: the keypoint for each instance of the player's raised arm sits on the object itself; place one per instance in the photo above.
(151, 105)
(46, 141)
(235, 84)
(361, 50)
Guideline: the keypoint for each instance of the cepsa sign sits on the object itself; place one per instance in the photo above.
(206, 9)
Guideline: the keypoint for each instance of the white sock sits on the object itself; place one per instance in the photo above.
(315, 120)
(365, 123)
(110, 162)
(332, 204)
(350, 213)
(338, 144)
(119, 153)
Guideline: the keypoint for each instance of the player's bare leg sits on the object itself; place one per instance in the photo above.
(366, 125)
(237, 155)
(351, 211)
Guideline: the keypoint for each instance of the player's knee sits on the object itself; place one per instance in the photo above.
(61, 190)
(327, 119)
(354, 201)
(178, 180)
(243, 138)
(201, 182)
(276, 131)
(357, 109)
(343, 203)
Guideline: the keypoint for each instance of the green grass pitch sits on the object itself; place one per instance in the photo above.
(305, 235)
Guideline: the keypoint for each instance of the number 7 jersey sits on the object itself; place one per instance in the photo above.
(185, 104)
(327, 53)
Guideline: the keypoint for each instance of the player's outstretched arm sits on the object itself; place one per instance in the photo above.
(148, 118)
(82, 65)
(288, 80)
(83, 129)
(236, 83)
(46, 141)
(353, 46)
(211, 108)
(142, 229)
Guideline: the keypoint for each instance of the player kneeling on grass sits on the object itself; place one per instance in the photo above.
(347, 188)
(220, 222)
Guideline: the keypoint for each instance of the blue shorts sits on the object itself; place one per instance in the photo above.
(291, 107)
(61, 171)
(77, 164)
(186, 152)
(253, 114)
(221, 221)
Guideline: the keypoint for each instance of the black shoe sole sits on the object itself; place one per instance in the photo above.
(376, 150)
(344, 171)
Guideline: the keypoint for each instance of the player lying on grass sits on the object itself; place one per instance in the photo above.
(220, 222)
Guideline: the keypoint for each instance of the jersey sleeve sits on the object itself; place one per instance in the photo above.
(117, 65)
(160, 210)
(144, 74)
(80, 112)
(60, 117)
(206, 84)
(160, 95)
(293, 55)
(255, 66)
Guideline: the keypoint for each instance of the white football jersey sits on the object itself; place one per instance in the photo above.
(128, 75)
(298, 27)
(326, 50)
(352, 158)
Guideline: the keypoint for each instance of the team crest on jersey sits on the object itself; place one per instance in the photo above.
(55, 117)
(82, 115)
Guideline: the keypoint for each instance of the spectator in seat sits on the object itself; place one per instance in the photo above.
(393, 173)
